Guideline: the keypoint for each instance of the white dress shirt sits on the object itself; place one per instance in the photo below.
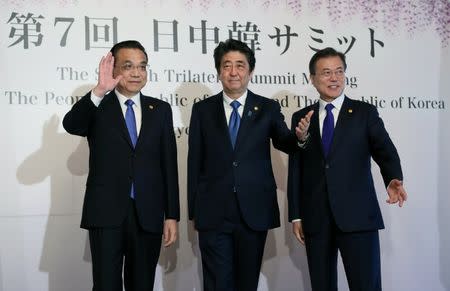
(136, 106)
(337, 103)
(228, 108)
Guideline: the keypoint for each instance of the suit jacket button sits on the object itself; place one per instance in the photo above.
(235, 164)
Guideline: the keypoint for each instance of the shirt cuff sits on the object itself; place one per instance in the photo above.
(302, 144)
(95, 99)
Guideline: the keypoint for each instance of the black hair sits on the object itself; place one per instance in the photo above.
(128, 44)
(325, 53)
(233, 45)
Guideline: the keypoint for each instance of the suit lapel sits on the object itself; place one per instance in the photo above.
(218, 115)
(251, 109)
(315, 127)
(218, 121)
(113, 106)
(148, 111)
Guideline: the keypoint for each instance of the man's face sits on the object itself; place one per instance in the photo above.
(234, 73)
(131, 64)
(329, 79)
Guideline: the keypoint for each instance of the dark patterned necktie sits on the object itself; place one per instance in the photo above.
(328, 129)
(235, 121)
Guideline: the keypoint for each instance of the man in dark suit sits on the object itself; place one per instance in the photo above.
(132, 187)
(332, 199)
(232, 194)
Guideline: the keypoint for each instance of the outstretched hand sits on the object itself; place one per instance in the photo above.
(301, 130)
(396, 192)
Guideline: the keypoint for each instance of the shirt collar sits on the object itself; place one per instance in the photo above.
(227, 100)
(337, 103)
(136, 98)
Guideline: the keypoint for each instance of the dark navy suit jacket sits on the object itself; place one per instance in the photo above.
(342, 181)
(114, 163)
(216, 170)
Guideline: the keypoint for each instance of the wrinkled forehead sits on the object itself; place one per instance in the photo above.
(234, 57)
(130, 55)
(329, 63)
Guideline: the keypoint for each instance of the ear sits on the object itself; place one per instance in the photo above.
(312, 78)
(219, 74)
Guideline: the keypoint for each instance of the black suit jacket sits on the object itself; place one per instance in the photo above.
(216, 170)
(343, 180)
(114, 163)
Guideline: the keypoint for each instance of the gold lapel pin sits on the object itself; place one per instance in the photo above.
(255, 108)
(350, 111)
(151, 107)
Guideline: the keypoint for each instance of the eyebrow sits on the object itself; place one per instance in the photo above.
(130, 62)
(328, 69)
(238, 61)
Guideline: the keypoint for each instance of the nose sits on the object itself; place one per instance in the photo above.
(233, 70)
(333, 76)
(135, 71)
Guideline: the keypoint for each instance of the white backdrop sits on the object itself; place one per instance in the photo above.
(398, 58)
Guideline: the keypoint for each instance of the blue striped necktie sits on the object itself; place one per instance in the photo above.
(235, 121)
